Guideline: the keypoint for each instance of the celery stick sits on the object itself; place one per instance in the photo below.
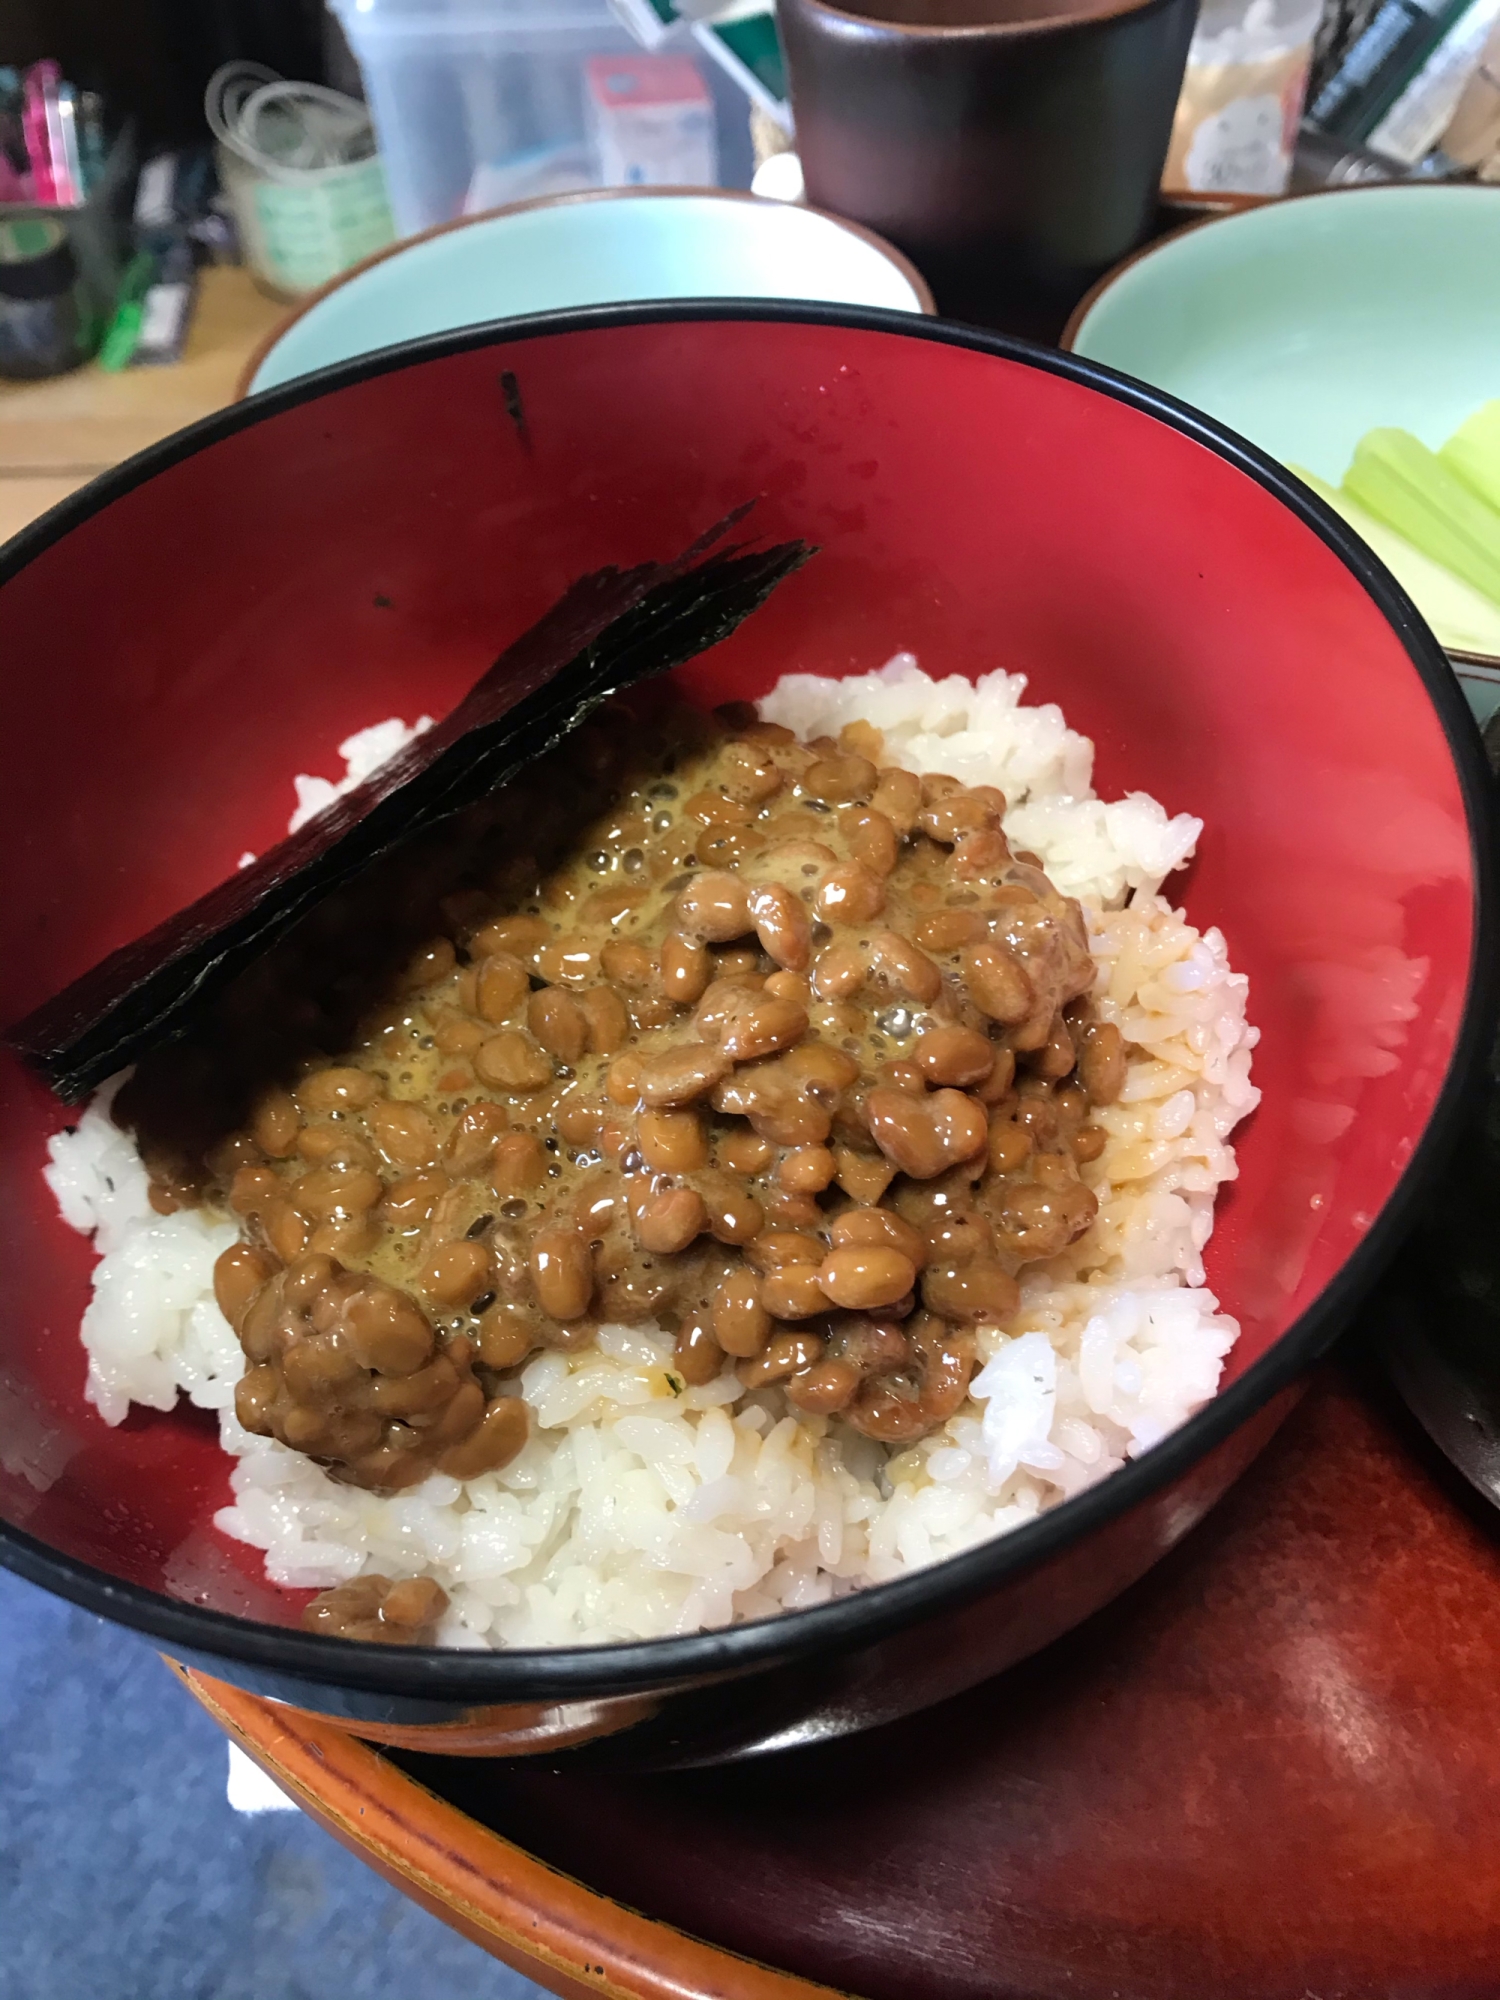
(1407, 486)
(1463, 620)
(1472, 454)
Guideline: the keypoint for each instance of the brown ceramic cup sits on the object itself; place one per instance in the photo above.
(1012, 148)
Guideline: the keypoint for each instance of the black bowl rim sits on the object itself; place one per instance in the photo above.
(463, 1676)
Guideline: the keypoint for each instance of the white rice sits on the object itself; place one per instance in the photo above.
(636, 1512)
(363, 753)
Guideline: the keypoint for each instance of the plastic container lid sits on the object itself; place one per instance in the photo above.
(435, 20)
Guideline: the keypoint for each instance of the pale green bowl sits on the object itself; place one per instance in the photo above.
(607, 246)
(1305, 323)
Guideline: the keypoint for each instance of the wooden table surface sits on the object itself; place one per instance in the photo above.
(56, 435)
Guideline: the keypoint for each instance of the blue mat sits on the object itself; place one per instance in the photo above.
(126, 1875)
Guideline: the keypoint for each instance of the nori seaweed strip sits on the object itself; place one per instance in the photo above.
(612, 629)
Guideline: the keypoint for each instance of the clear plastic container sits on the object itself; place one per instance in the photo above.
(482, 102)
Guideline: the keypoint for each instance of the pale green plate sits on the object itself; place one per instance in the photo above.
(1306, 323)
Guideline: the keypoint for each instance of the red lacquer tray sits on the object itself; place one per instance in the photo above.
(1270, 1772)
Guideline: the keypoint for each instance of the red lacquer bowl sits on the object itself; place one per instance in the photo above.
(187, 632)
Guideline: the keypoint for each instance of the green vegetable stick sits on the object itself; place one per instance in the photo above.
(1462, 619)
(1409, 487)
(1472, 454)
